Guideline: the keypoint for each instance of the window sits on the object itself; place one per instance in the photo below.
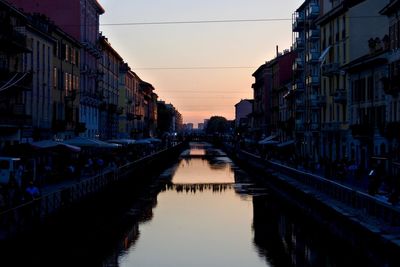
(66, 81)
(73, 54)
(56, 48)
(67, 53)
(55, 77)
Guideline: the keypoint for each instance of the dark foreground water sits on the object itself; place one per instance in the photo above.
(203, 211)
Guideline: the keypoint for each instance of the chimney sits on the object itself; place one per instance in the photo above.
(277, 50)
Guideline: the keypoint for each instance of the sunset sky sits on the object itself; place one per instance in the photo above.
(203, 68)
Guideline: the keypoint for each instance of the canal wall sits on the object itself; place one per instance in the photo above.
(29, 215)
(348, 213)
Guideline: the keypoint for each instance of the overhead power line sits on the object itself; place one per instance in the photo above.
(213, 21)
(195, 68)
(193, 22)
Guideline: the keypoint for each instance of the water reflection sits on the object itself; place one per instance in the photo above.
(202, 218)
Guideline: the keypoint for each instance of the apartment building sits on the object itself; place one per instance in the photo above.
(306, 83)
(108, 89)
(15, 77)
(345, 28)
(85, 27)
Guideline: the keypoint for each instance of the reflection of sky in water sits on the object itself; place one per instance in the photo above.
(207, 227)
(202, 229)
(197, 152)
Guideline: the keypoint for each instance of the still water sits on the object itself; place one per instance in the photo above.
(212, 214)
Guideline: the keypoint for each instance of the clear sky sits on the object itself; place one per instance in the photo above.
(199, 93)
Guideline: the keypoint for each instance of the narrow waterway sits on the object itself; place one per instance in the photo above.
(203, 211)
(212, 214)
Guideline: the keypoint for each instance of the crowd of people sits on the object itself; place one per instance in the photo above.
(52, 167)
(375, 181)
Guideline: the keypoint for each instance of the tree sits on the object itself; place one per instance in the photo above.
(217, 124)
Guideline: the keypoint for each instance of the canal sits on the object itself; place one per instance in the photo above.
(202, 211)
(212, 213)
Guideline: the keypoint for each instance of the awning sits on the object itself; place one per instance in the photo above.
(88, 142)
(153, 140)
(286, 143)
(270, 142)
(267, 139)
(49, 144)
(122, 141)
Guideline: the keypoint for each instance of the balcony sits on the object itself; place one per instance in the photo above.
(299, 43)
(313, 34)
(331, 126)
(300, 126)
(314, 100)
(330, 69)
(340, 96)
(300, 105)
(92, 48)
(297, 65)
(12, 41)
(312, 80)
(312, 11)
(313, 56)
(315, 127)
(298, 23)
(298, 86)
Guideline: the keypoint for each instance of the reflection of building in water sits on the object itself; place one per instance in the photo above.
(129, 239)
(193, 188)
(284, 236)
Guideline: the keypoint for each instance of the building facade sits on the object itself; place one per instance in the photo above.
(306, 79)
(344, 38)
(243, 109)
(391, 87)
(85, 27)
(108, 89)
(15, 77)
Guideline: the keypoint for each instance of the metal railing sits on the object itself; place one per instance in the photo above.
(25, 216)
(361, 204)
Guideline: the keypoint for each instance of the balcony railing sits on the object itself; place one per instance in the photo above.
(300, 125)
(330, 69)
(298, 86)
(313, 56)
(300, 105)
(312, 11)
(13, 41)
(331, 126)
(313, 34)
(299, 43)
(298, 65)
(340, 96)
(298, 23)
(312, 80)
(314, 126)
